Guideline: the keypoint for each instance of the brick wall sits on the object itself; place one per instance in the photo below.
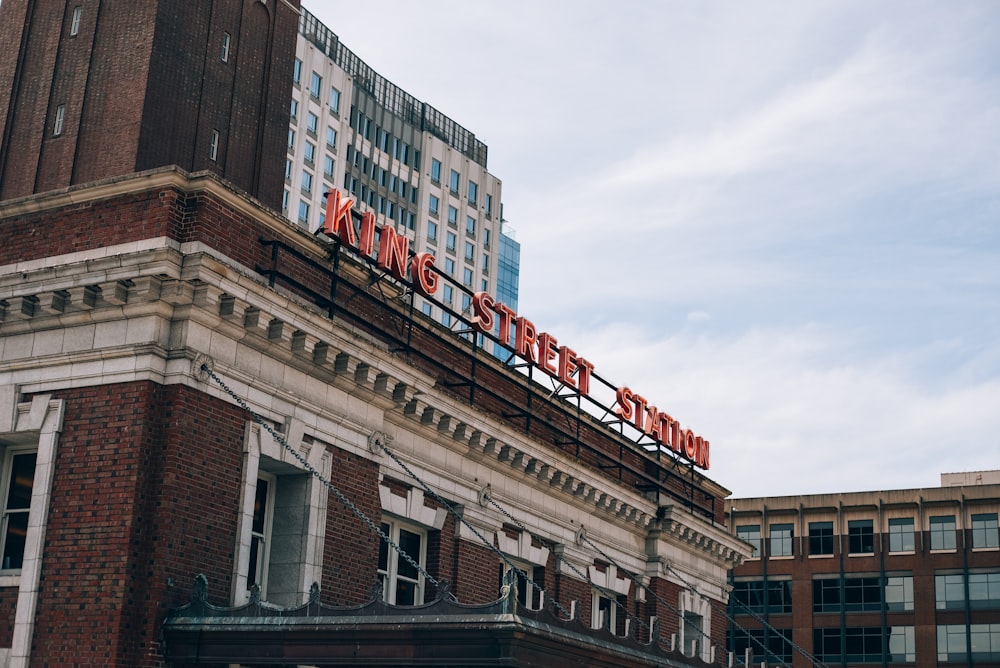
(8, 606)
(144, 498)
(350, 553)
(143, 85)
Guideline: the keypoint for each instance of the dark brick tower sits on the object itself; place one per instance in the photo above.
(91, 89)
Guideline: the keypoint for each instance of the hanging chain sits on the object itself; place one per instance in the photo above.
(801, 650)
(450, 508)
(316, 474)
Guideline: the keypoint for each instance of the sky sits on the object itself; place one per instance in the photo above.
(777, 221)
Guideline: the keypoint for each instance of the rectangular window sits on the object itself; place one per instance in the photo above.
(307, 182)
(899, 593)
(693, 634)
(901, 535)
(749, 596)
(863, 644)
(826, 595)
(328, 166)
(293, 109)
(984, 590)
(488, 205)
(827, 645)
(435, 170)
(297, 72)
(449, 266)
(608, 611)
(427, 309)
(309, 154)
(862, 594)
(943, 532)
(902, 644)
(315, 85)
(450, 245)
(18, 471)
(288, 169)
(453, 183)
(860, 537)
(776, 646)
(226, 39)
(470, 226)
(213, 145)
(331, 137)
(470, 250)
(452, 216)
(781, 540)
(57, 125)
(334, 100)
(448, 294)
(473, 192)
(260, 533)
(984, 531)
(486, 264)
(953, 641)
(820, 538)
(435, 203)
(312, 123)
(467, 277)
(304, 213)
(529, 594)
(74, 26)
(751, 534)
(949, 592)
(402, 582)
(291, 140)
(432, 231)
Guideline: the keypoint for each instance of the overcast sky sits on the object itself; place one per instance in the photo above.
(778, 221)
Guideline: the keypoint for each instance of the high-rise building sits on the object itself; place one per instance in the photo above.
(413, 167)
(203, 86)
(897, 577)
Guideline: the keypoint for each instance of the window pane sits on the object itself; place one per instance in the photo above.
(901, 535)
(984, 531)
(943, 532)
(409, 542)
(781, 540)
(821, 538)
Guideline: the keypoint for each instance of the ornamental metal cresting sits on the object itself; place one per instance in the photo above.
(540, 349)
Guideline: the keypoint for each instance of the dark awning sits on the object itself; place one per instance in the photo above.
(441, 633)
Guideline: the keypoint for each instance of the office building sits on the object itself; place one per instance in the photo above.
(402, 159)
(898, 577)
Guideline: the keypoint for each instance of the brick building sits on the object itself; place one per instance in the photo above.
(227, 440)
(899, 577)
(93, 90)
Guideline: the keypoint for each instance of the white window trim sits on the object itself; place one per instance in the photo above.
(257, 442)
(608, 585)
(41, 421)
(391, 573)
(692, 602)
(74, 27)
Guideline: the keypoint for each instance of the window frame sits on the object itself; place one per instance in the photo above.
(755, 540)
(987, 531)
(898, 535)
(942, 530)
(74, 25)
(389, 575)
(857, 533)
(821, 543)
(781, 540)
(7, 486)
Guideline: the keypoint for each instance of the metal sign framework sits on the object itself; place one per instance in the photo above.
(574, 423)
